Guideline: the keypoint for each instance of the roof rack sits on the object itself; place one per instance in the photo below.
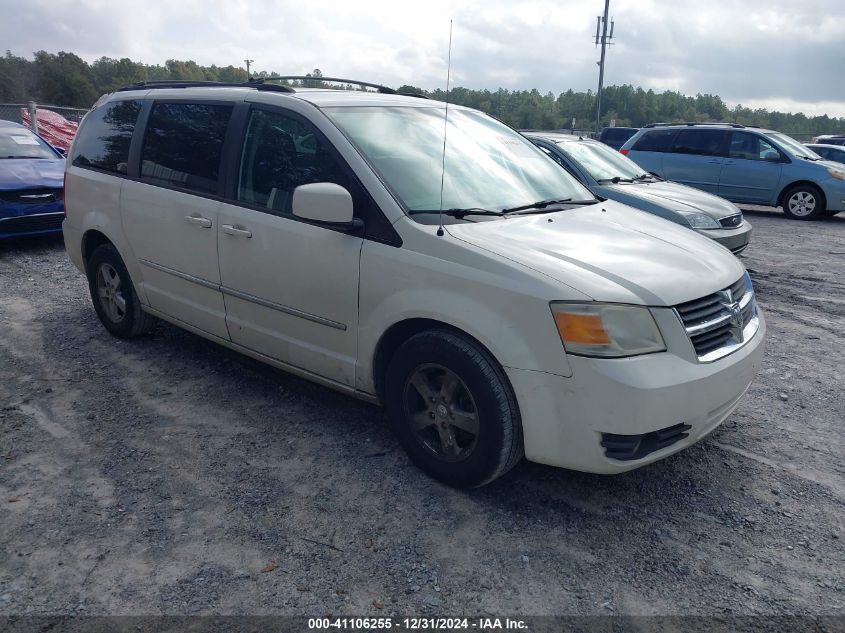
(695, 123)
(179, 83)
(378, 87)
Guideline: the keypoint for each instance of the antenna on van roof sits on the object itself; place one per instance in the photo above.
(445, 127)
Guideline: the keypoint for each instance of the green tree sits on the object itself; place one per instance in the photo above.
(63, 79)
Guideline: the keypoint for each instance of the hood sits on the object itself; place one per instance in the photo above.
(29, 173)
(674, 197)
(610, 252)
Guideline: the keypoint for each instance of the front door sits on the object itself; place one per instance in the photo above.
(170, 221)
(290, 287)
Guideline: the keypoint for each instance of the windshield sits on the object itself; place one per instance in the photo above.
(793, 147)
(487, 165)
(17, 142)
(601, 161)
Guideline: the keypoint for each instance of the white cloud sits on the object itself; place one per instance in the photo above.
(749, 51)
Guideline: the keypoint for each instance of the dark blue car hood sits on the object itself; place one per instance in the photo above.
(29, 173)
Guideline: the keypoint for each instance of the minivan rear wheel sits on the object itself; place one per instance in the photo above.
(113, 294)
(453, 409)
(804, 202)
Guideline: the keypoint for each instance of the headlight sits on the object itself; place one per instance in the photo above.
(836, 173)
(702, 221)
(746, 278)
(606, 330)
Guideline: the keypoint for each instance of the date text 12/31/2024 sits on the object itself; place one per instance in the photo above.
(417, 624)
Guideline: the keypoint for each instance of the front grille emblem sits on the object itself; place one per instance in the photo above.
(733, 308)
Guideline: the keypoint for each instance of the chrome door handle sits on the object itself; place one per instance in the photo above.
(230, 229)
(199, 221)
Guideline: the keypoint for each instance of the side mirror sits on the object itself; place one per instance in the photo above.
(325, 203)
(772, 157)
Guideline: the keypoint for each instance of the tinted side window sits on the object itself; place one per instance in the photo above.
(183, 144)
(105, 137)
(701, 142)
(750, 147)
(654, 141)
(279, 154)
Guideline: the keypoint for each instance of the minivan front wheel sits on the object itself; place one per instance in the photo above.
(453, 409)
(113, 294)
(804, 202)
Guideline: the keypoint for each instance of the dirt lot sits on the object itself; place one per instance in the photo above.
(168, 475)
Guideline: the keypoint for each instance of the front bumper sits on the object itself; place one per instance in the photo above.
(17, 220)
(735, 240)
(565, 420)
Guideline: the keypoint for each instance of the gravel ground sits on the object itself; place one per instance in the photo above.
(166, 475)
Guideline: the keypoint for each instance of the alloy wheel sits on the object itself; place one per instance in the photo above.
(802, 203)
(110, 294)
(441, 412)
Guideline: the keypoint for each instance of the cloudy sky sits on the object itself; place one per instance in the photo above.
(778, 54)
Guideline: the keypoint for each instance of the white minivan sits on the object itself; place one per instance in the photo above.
(431, 260)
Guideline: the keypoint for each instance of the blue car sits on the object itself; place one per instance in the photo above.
(31, 183)
(743, 164)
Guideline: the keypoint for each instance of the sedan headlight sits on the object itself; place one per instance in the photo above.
(702, 221)
(606, 330)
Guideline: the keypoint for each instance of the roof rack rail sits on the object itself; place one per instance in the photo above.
(179, 83)
(378, 87)
(694, 123)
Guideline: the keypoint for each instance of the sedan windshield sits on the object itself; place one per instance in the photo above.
(17, 142)
(486, 165)
(602, 162)
(794, 147)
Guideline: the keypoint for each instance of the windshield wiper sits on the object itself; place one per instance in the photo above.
(645, 177)
(458, 213)
(542, 204)
(615, 180)
(32, 157)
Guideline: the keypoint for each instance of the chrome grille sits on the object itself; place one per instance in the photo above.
(732, 221)
(720, 323)
(31, 196)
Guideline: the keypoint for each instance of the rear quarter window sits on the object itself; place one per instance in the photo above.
(655, 141)
(183, 145)
(103, 142)
(702, 142)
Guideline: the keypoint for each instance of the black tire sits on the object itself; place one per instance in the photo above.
(497, 446)
(804, 202)
(129, 322)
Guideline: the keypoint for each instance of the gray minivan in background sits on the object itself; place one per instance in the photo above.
(743, 164)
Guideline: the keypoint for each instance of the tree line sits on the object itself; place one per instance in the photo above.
(66, 79)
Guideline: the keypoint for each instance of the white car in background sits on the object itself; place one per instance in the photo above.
(485, 297)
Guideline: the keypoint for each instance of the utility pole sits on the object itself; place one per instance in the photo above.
(248, 62)
(604, 40)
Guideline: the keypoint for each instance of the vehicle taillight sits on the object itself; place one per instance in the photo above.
(624, 151)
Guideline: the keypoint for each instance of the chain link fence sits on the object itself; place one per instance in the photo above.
(15, 111)
(55, 124)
